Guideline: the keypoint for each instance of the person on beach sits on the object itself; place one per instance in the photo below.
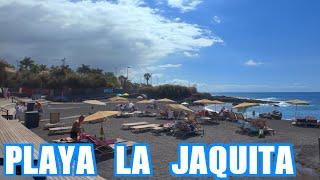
(39, 107)
(76, 128)
(8, 94)
(17, 108)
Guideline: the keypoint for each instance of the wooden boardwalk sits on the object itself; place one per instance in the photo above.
(7, 112)
(13, 132)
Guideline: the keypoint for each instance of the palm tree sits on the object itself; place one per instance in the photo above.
(43, 67)
(26, 64)
(147, 77)
(83, 69)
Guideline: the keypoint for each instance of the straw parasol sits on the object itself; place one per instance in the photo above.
(165, 100)
(215, 102)
(100, 115)
(297, 102)
(94, 102)
(118, 100)
(179, 107)
(146, 101)
(207, 101)
(245, 105)
(203, 101)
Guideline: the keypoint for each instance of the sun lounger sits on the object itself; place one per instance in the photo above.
(49, 125)
(147, 114)
(306, 122)
(127, 126)
(143, 128)
(64, 140)
(207, 120)
(187, 133)
(60, 130)
(231, 116)
(270, 131)
(160, 129)
(125, 115)
(129, 144)
(239, 116)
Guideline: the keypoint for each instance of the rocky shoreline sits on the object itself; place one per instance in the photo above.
(226, 99)
(235, 100)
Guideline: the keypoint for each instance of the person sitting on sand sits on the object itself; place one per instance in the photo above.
(221, 113)
(76, 128)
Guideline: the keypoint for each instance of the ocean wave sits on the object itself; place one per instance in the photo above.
(283, 104)
(280, 103)
(268, 99)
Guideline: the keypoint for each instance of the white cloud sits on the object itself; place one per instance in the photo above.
(170, 65)
(190, 54)
(184, 5)
(106, 34)
(184, 82)
(253, 63)
(216, 19)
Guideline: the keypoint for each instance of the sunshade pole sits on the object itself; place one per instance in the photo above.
(295, 113)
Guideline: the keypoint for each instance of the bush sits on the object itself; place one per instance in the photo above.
(175, 92)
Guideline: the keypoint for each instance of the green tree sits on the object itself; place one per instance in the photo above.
(26, 64)
(147, 77)
(84, 69)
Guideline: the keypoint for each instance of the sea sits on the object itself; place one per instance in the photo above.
(289, 111)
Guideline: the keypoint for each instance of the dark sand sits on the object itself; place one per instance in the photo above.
(164, 148)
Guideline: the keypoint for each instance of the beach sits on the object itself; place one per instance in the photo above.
(164, 148)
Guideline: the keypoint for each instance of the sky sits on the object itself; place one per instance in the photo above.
(215, 45)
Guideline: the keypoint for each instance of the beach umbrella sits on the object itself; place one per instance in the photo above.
(203, 101)
(245, 105)
(215, 102)
(125, 95)
(118, 100)
(165, 100)
(207, 101)
(100, 116)
(178, 107)
(94, 102)
(146, 101)
(297, 102)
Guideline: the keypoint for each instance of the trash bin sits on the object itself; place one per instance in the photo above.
(30, 106)
(54, 117)
(32, 119)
